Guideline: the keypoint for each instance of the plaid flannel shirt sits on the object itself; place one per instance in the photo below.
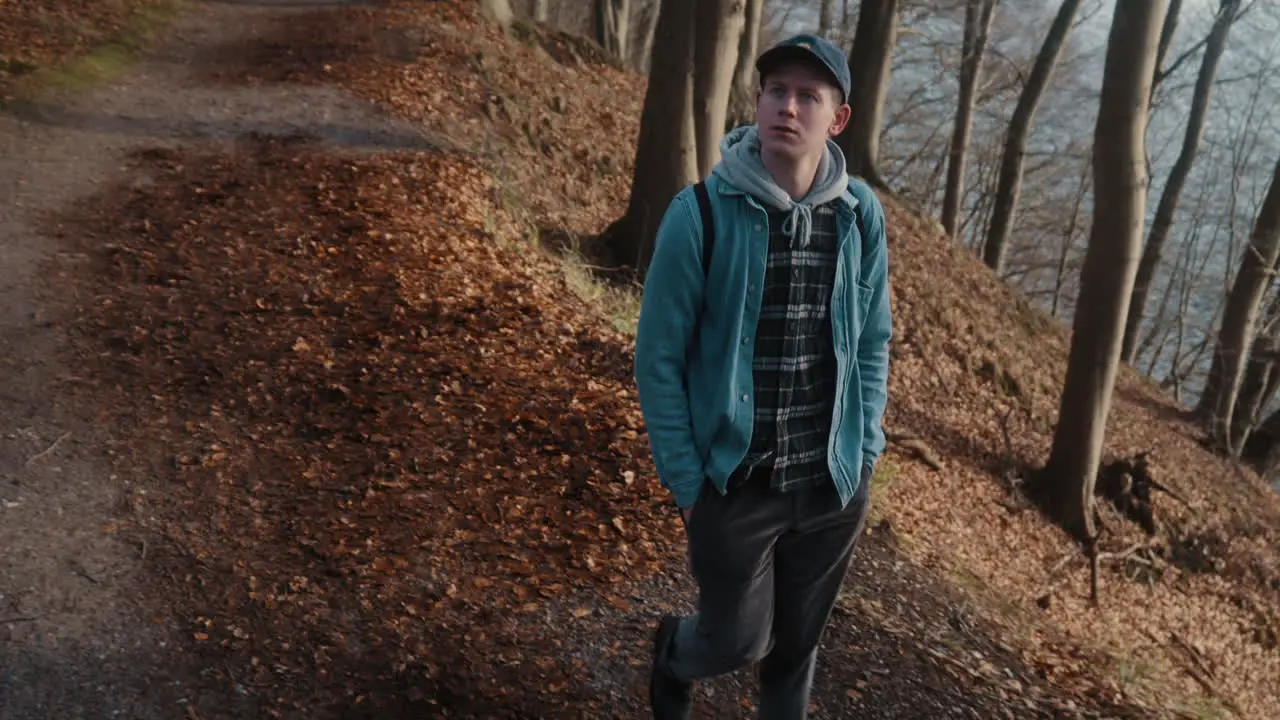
(794, 365)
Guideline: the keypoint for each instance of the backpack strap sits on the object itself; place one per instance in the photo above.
(708, 225)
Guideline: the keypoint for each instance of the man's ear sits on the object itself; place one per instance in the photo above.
(843, 113)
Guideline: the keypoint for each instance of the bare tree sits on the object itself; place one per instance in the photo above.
(1009, 186)
(613, 26)
(742, 99)
(719, 28)
(870, 60)
(1167, 32)
(540, 10)
(1217, 403)
(826, 18)
(666, 153)
(1109, 266)
(1069, 239)
(977, 23)
(1163, 221)
(647, 20)
(1261, 377)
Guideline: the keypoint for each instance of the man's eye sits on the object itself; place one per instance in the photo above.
(809, 97)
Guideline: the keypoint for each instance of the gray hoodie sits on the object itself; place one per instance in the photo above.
(741, 167)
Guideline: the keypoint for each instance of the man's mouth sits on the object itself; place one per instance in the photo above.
(784, 130)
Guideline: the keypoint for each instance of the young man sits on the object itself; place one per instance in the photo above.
(762, 380)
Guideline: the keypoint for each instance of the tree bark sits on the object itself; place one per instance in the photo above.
(716, 40)
(1109, 265)
(650, 20)
(977, 23)
(666, 157)
(1009, 186)
(1166, 39)
(1217, 403)
(497, 10)
(742, 99)
(826, 18)
(870, 60)
(1172, 192)
(1260, 378)
(613, 26)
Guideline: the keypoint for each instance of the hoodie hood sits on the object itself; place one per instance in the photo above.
(741, 167)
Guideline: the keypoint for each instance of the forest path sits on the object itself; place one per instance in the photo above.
(75, 640)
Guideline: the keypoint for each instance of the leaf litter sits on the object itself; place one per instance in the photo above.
(389, 436)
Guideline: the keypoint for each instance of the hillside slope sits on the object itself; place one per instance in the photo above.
(390, 459)
(970, 355)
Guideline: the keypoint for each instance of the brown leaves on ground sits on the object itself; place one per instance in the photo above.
(370, 410)
(375, 407)
(971, 354)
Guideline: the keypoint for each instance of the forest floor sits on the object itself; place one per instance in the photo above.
(311, 406)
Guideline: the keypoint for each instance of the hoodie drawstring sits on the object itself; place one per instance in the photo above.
(799, 224)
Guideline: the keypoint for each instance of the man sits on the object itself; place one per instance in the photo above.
(762, 380)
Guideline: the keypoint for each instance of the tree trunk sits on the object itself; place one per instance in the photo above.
(1169, 197)
(1109, 264)
(540, 10)
(613, 26)
(666, 157)
(826, 18)
(870, 60)
(977, 22)
(1260, 379)
(650, 23)
(1069, 239)
(497, 10)
(1166, 39)
(742, 99)
(716, 40)
(1009, 186)
(1221, 389)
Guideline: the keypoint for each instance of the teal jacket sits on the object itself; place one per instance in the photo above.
(696, 392)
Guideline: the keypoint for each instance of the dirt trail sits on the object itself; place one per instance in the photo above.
(74, 640)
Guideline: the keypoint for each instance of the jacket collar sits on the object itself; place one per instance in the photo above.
(847, 202)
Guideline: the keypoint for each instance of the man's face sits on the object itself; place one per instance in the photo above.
(797, 110)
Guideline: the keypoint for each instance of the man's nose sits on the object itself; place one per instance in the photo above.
(788, 105)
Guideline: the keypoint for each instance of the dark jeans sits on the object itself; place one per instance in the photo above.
(769, 566)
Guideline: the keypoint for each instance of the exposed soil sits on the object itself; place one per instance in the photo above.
(345, 442)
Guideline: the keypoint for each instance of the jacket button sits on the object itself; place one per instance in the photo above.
(745, 339)
(744, 398)
(751, 288)
(759, 227)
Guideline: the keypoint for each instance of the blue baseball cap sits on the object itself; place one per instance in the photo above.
(809, 48)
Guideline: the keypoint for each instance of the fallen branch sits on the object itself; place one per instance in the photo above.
(1057, 567)
(26, 618)
(1194, 654)
(47, 451)
(1122, 555)
(916, 445)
